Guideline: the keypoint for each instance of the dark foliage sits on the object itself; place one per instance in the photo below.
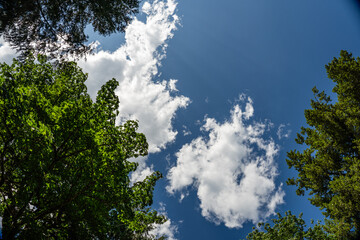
(329, 166)
(64, 169)
(288, 227)
(57, 27)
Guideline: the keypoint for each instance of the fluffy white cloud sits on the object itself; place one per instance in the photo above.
(168, 229)
(134, 65)
(6, 52)
(232, 168)
(142, 171)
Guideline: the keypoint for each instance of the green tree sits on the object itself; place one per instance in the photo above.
(329, 166)
(64, 172)
(57, 26)
(288, 227)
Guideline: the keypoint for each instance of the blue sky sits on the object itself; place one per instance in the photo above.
(273, 52)
(220, 91)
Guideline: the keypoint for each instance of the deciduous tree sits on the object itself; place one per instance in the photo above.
(64, 169)
(288, 227)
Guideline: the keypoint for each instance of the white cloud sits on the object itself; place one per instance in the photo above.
(232, 168)
(6, 52)
(134, 65)
(282, 132)
(186, 131)
(167, 229)
(142, 171)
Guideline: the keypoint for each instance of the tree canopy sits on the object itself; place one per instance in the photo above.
(329, 166)
(288, 227)
(58, 27)
(64, 169)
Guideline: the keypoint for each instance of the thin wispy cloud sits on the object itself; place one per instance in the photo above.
(186, 131)
(283, 132)
(232, 168)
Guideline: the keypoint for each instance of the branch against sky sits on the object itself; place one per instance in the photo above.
(329, 164)
(167, 229)
(57, 28)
